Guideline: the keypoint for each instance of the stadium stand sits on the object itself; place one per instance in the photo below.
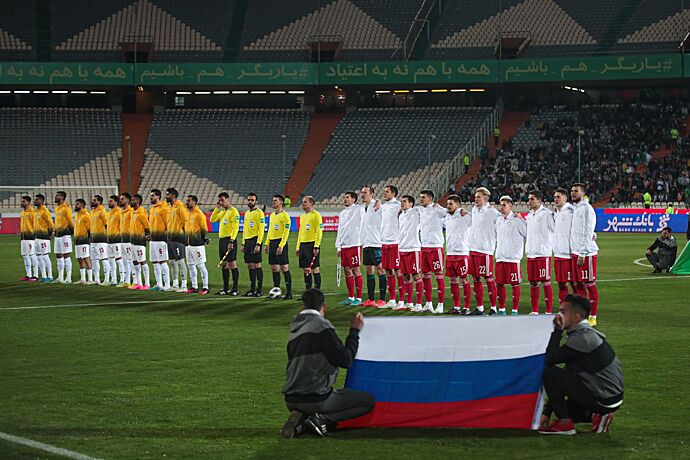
(17, 30)
(655, 25)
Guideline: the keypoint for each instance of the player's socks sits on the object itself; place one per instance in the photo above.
(391, 286)
(317, 280)
(479, 292)
(60, 268)
(82, 275)
(358, 285)
(466, 293)
(562, 292)
(175, 273)
(235, 278)
(371, 286)
(113, 270)
(89, 275)
(204, 276)
(593, 293)
(34, 265)
(383, 287)
(419, 286)
(548, 296)
(27, 265)
(350, 283)
(491, 287)
(136, 275)
(96, 270)
(401, 287)
(157, 275)
(534, 296)
(455, 292)
(428, 288)
(147, 274)
(516, 297)
(226, 279)
(259, 279)
(48, 264)
(165, 275)
(307, 281)
(407, 286)
(122, 269)
(480, 308)
(441, 289)
(276, 279)
(68, 268)
(501, 292)
(580, 289)
(192, 275)
(288, 282)
(42, 267)
(252, 279)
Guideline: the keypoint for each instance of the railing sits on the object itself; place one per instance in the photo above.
(420, 20)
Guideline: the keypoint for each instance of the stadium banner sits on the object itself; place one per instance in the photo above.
(65, 73)
(452, 372)
(613, 221)
(267, 73)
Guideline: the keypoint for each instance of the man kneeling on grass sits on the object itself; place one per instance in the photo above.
(314, 355)
(590, 386)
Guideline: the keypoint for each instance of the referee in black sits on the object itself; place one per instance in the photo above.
(228, 219)
(309, 242)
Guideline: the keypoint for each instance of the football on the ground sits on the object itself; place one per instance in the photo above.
(275, 293)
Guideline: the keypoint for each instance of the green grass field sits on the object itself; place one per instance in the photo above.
(113, 373)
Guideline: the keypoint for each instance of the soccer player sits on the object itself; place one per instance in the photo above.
(562, 261)
(431, 233)
(229, 226)
(125, 231)
(410, 248)
(482, 247)
(371, 252)
(348, 243)
(64, 229)
(539, 248)
(457, 223)
(43, 229)
(28, 239)
(252, 237)
(309, 243)
(511, 231)
(99, 245)
(390, 239)
(277, 247)
(195, 231)
(82, 228)
(158, 249)
(115, 240)
(139, 233)
(177, 217)
(584, 249)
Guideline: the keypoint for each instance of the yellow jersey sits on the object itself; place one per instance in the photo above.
(43, 224)
(114, 225)
(126, 224)
(195, 227)
(279, 227)
(138, 232)
(229, 222)
(310, 229)
(64, 223)
(26, 223)
(177, 218)
(82, 227)
(158, 220)
(99, 220)
(254, 225)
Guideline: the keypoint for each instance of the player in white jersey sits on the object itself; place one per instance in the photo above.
(348, 243)
(540, 228)
(371, 248)
(562, 262)
(457, 223)
(584, 249)
(431, 234)
(482, 247)
(410, 253)
(511, 231)
(390, 238)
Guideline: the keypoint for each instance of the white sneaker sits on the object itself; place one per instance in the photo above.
(401, 305)
(439, 309)
(409, 306)
(389, 304)
(534, 313)
(180, 289)
(67, 281)
(418, 308)
(81, 282)
(429, 307)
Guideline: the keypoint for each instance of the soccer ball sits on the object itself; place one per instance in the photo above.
(275, 293)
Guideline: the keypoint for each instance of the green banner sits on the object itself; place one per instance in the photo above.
(227, 74)
(65, 73)
(407, 73)
(591, 68)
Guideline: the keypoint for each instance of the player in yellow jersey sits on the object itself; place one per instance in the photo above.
(177, 216)
(228, 227)
(309, 242)
(64, 229)
(114, 236)
(252, 237)
(28, 239)
(195, 252)
(139, 233)
(99, 241)
(158, 249)
(43, 229)
(277, 248)
(125, 228)
(82, 229)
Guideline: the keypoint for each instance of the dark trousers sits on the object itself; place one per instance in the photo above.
(568, 396)
(660, 262)
(341, 405)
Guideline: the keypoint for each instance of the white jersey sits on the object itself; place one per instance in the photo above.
(483, 229)
(350, 223)
(371, 230)
(390, 228)
(409, 231)
(561, 235)
(511, 232)
(582, 230)
(431, 231)
(540, 228)
(458, 233)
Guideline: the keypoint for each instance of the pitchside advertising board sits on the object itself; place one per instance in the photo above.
(609, 220)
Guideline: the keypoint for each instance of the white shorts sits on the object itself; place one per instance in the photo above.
(158, 251)
(139, 254)
(114, 250)
(42, 247)
(83, 251)
(196, 255)
(28, 247)
(126, 251)
(99, 251)
(63, 244)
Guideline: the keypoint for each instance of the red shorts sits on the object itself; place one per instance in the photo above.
(539, 269)
(587, 272)
(390, 257)
(409, 262)
(457, 266)
(563, 270)
(432, 260)
(508, 273)
(481, 264)
(351, 257)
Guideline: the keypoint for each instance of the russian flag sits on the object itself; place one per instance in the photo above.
(472, 372)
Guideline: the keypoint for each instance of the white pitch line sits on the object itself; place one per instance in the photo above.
(45, 447)
(637, 262)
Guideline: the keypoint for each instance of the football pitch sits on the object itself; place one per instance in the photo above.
(112, 373)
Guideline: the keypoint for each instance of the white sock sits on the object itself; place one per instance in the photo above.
(204, 275)
(68, 268)
(96, 270)
(27, 265)
(175, 268)
(147, 277)
(183, 273)
(123, 270)
(128, 271)
(157, 274)
(192, 275)
(42, 266)
(90, 274)
(82, 274)
(113, 270)
(60, 268)
(48, 264)
(165, 273)
(136, 274)
(106, 271)
(34, 265)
